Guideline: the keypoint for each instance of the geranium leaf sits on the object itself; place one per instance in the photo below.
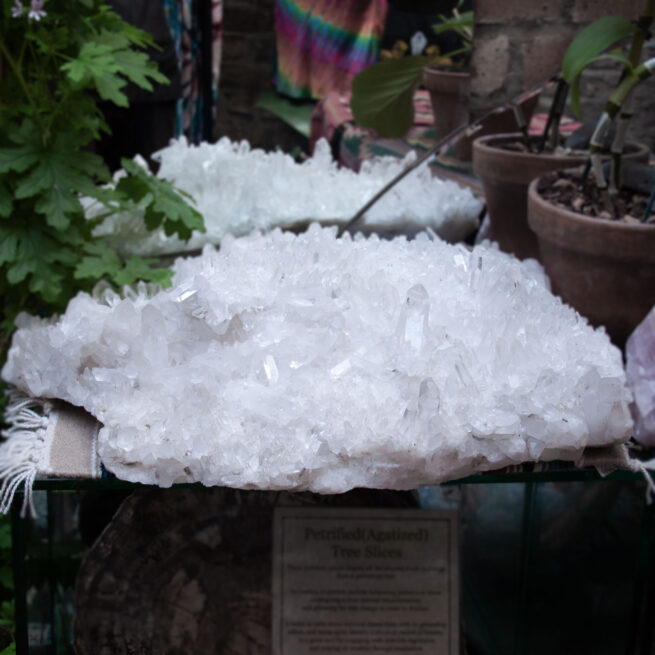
(137, 268)
(59, 165)
(34, 256)
(17, 159)
(56, 204)
(138, 68)
(167, 207)
(104, 262)
(8, 245)
(47, 282)
(6, 201)
(109, 88)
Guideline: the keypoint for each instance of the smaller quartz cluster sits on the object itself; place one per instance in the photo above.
(238, 189)
(309, 361)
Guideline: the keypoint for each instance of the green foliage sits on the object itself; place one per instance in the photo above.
(382, 95)
(590, 46)
(54, 71)
(6, 582)
(159, 202)
(298, 116)
(461, 24)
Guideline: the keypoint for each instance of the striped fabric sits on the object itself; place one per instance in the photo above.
(323, 44)
(182, 18)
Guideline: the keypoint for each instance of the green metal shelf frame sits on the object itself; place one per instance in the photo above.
(643, 605)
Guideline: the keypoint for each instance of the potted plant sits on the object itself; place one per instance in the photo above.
(382, 94)
(59, 59)
(597, 232)
(448, 82)
(507, 163)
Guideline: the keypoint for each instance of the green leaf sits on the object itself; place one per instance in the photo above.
(137, 67)
(31, 253)
(454, 23)
(6, 201)
(383, 95)
(8, 245)
(7, 609)
(592, 41)
(298, 116)
(6, 577)
(60, 165)
(94, 59)
(138, 37)
(56, 204)
(166, 205)
(17, 159)
(103, 262)
(97, 64)
(575, 84)
(575, 96)
(109, 88)
(137, 268)
(134, 187)
(112, 40)
(46, 282)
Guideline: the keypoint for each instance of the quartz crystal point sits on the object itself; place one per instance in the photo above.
(238, 189)
(640, 369)
(313, 362)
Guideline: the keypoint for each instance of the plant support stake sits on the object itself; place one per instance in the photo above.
(350, 225)
(470, 130)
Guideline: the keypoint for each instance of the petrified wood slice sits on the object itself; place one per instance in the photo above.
(188, 571)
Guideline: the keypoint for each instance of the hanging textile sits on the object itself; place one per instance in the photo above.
(323, 44)
(184, 20)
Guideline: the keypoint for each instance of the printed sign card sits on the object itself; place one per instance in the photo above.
(353, 581)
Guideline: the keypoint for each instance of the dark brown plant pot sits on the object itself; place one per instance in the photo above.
(604, 269)
(449, 94)
(506, 175)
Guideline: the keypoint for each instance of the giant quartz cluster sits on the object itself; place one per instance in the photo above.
(238, 189)
(308, 361)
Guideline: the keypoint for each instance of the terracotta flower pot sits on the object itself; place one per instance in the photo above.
(449, 94)
(505, 176)
(604, 269)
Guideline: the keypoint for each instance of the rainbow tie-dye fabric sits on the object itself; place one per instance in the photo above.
(323, 44)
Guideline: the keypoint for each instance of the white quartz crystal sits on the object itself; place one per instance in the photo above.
(238, 189)
(311, 362)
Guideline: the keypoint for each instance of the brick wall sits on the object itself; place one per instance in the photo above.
(519, 43)
(247, 73)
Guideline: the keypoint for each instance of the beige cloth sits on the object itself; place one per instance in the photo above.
(71, 444)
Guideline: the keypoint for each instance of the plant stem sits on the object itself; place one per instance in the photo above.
(643, 27)
(18, 74)
(519, 116)
(555, 113)
(558, 107)
(612, 108)
(636, 48)
(618, 144)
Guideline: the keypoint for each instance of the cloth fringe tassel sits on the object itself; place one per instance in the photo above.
(23, 449)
